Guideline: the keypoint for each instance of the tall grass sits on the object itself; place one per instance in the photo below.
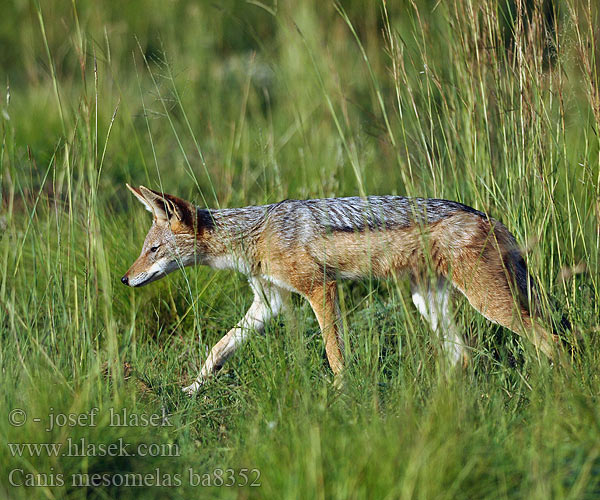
(496, 106)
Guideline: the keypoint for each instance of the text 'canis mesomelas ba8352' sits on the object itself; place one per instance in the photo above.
(306, 246)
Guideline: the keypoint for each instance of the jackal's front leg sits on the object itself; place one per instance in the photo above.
(268, 302)
(324, 301)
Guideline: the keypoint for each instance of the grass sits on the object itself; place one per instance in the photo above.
(251, 102)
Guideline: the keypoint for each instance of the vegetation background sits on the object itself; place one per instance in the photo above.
(494, 104)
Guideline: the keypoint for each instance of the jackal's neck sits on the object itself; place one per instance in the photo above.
(228, 236)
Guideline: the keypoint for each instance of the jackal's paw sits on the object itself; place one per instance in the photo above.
(191, 390)
(464, 360)
(338, 382)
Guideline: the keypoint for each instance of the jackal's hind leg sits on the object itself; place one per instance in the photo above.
(432, 299)
(269, 300)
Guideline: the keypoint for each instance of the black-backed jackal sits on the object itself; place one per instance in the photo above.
(306, 246)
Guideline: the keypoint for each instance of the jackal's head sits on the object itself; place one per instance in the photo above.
(171, 242)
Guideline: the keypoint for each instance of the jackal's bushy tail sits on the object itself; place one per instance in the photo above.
(489, 269)
(529, 294)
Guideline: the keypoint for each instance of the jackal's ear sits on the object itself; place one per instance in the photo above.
(138, 194)
(164, 206)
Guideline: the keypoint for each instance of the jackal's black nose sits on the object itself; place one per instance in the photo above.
(125, 280)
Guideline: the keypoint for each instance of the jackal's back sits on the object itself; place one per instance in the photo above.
(294, 218)
(299, 240)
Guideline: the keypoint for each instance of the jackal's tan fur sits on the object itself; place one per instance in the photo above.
(306, 246)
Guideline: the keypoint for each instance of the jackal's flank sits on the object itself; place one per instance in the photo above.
(306, 246)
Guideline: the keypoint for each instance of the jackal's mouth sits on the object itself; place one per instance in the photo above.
(145, 278)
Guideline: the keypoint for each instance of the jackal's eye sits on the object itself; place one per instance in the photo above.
(154, 249)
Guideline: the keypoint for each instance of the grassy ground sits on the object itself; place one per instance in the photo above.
(246, 103)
